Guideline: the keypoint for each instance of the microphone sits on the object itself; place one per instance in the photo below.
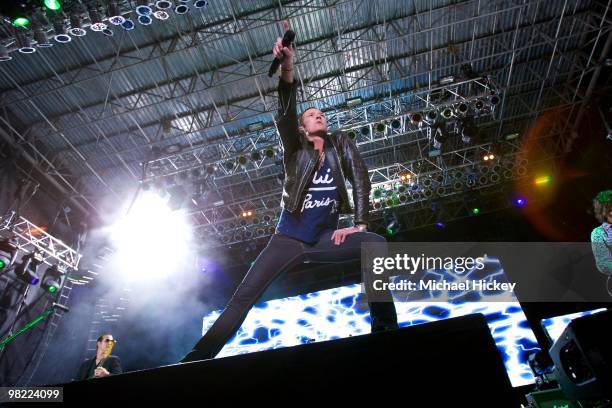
(287, 41)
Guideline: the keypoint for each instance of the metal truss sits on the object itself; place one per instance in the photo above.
(392, 64)
(31, 238)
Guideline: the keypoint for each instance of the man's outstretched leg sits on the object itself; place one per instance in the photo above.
(383, 314)
(282, 253)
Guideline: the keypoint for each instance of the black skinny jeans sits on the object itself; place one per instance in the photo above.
(280, 255)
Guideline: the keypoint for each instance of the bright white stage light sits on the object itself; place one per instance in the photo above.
(152, 241)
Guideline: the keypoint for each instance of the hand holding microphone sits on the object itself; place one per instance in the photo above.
(283, 51)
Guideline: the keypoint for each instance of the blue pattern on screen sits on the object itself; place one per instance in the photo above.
(343, 312)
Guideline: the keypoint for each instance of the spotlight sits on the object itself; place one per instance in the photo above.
(447, 113)
(96, 20)
(61, 35)
(440, 224)
(200, 3)
(52, 279)
(26, 271)
(269, 153)
(108, 32)
(76, 28)
(365, 130)
(405, 177)
(391, 222)
(431, 116)
(128, 25)
(4, 53)
(242, 160)
(462, 109)
(143, 8)
(479, 105)
(416, 118)
(438, 137)
(181, 9)
(396, 124)
(352, 134)
(255, 155)
(494, 100)
(543, 180)
(24, 44)
(7, 253)
(475, 210)
(380, 128)
(144, 20)
(161, 15)
(488, 157)
(52, 4)
(42, 41)
(520, 202)
(114, 14)
(163, 4)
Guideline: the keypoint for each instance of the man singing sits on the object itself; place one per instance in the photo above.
(316, 164)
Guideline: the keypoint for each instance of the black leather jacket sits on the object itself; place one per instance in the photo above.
(300, 158)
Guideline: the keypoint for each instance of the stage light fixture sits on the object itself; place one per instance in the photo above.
(145, 20)
(26, 270)
(438, 137)
(365, 130)
(52, 279)
(96, 20)
(430, 117)
(4, 55)
(242, 160)
(53, 4)
(40, 36)
(352, 134)
(114, 14)
(143, 8)
(396, 124)
(108, 32)
(163, 4)
(269, 153)
(542, 180)
(475, 210)
(161, 15)
(7, 252)
(61, 35)
(391, 222)
(255, 156)
(416, 118)
(76, 26)
(461, 109)
(200, 3)
(380, 128)
(479, 104)
(494, 100)
(520, 202)
(447, 113)
(181, 9)
(24, 44)
(21, 21)
(405, 177)
(128, 24)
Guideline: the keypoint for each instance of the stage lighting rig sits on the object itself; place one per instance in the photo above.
(26, 270)
(114, 14)
(7, 254)
(52, 279)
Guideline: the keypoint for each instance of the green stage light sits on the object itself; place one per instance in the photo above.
(21, 22)
(53, 4)
(475, 211)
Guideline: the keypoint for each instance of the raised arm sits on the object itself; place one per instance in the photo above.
(287, 120)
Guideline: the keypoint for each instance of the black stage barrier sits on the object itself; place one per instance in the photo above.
(452, 362)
